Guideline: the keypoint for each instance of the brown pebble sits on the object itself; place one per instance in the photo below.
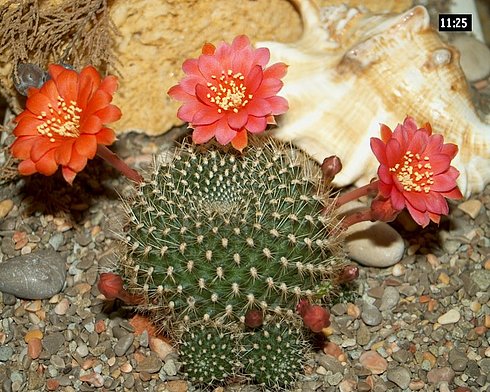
(481, 330)
(424, 299)
(176, 386)
(52, 384)
(430, 357)
(433, 305)
(5, 207)
(33, 334)
(487, 321)
(486, 265)
(353, 310)
(62, 307)
(126, 367)
(33, 306)
(443, 278)
(433, 260)
(93, 379)
(332, 349)
(34, 348)
(416, 385)
(374, 362)
(100, 326)
(160, 347)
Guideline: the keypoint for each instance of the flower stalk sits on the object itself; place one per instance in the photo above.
(118, 164)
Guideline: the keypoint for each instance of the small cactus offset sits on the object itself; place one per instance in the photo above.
(215, 234)
(274, 355)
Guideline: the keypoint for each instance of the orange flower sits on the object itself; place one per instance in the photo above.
(228, 91)
(415, 172)
(64, 122)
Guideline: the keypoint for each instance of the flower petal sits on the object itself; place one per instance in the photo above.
(259, 107)
(27, 126)
(224, 134)
(109, 114)
(47, 165)
(237, 120)
(385, 132)
(90, 125)
(397, 199)
(254, 79)
(417, 200)
(203, 133)
(40, 148)
(262, 56)
(106, 136)
(21, 147)
(88, 82)
(443, 183)
(109, 84)
(63, 152)
(86, 145)
(279, 105)
(67, 84)
(436, 203)
(439, 163)
(68, 174)
(77, 161)
(379, 150)
(276, 71)
(268, 88)
(27, 167)
(256, 124)
(385, 175)
(421, 218)
(38, 103)
(393, 152)
(99, 100)
(240, 141)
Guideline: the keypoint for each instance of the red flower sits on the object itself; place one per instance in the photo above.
(63, 122)
(228, 91)
(415, 171)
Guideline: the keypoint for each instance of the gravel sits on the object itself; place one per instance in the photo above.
(389, 338)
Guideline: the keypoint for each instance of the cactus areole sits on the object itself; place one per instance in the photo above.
(215, 234)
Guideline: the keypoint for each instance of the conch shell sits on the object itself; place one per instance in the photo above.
(351, 71)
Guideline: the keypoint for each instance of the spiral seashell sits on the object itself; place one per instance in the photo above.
(352, 70)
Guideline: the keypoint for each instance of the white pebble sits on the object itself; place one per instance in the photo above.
(398, 270)
(450, 317)
(475, 57)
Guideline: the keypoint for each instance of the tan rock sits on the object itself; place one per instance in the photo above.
(374, 362)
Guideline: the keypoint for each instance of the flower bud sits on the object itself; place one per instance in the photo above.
(331, 166)
(111, 285)
(348, 274)
(254, 318)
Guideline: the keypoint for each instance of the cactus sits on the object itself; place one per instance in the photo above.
(274, 355)
(207, 354)
(214, 234)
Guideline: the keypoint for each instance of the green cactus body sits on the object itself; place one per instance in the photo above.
(208, 354)
(214, 233)
(274, 356)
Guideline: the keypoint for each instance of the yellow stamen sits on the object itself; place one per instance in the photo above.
(63, 120)
(230, 93)
(412, 174)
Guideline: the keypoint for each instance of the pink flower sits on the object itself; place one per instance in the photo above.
(415, 171)
(228, 91)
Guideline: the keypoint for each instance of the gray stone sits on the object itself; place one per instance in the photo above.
(170, 368)
(402, 356)
(371, 315)
(363, 335)
(9, 299)
(6, 353)
(123, 344)
(400, 376)
(329, 363)
(485, 365)
(390, 298)
(37, 275)
(57, 240)
(481, 279)
(53, 342)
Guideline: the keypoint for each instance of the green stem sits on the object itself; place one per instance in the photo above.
(371, 188)
(117, 163)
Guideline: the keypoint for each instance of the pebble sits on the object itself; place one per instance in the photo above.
(400, 376)
(475, 57)
(482, 279)
(371, 315)
(450, 317)
(363, 335)
(390, 298)
(34, 348)
(160, 347)
(5, 207)
(435, 376)
(374, 362)
(6, 353)
(170, 368)
(61, 308)
(374, 244)
(37, 275)
(150, 364)
(123, 344)
(53, 342)
(471, 207)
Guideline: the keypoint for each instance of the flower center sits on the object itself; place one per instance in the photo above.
(414, 173)
(64, 120)
(230, 93)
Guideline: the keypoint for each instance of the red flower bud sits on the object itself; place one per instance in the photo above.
(349, 273)
(331, 166)
(111, 285)
(254, 318)
(315, 317)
